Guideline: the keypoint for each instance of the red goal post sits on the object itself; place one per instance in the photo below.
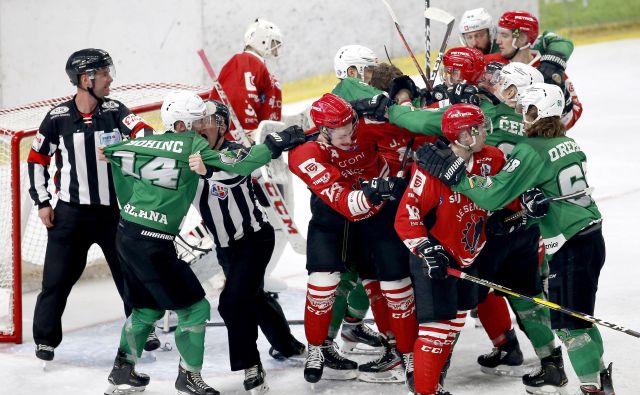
(22, 235)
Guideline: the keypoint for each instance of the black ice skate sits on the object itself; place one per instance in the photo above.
(505, 360)
(191, 383)
(123, 378)
(442, 391)
(254, 380)
(337, 367)
(386, 369)
(314, 365)
(300, 352)
(407, 361)
(44, 352)
(606, 381)
(549, 378)
(358, 338)
(152, 343)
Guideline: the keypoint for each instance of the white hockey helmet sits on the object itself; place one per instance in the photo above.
(474, 20)
(521, 75)
(263, 36)
(353, 56)
(548, 99)
(182, 106)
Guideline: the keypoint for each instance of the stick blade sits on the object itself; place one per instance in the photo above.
(440, 15)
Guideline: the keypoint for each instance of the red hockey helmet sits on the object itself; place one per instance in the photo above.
(463, 63)
(464, 117)
(331, 111)
(518, 22)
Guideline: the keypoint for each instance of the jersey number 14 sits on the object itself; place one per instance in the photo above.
(162, 172)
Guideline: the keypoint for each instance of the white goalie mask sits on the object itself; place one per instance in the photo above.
(182, 106)
(356, 56)
(520, 75)
(264, 37)
(474, 20)
(548, 99)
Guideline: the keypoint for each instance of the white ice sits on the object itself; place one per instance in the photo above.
(605, 76)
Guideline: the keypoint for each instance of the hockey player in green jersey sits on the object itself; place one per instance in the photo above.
(155, 180)
(548, 164)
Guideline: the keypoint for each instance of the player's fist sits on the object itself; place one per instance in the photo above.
(535, 203)
(434, 259)
(284, 140)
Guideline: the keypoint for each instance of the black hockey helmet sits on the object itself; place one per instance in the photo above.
(87, 61)
(214, 107)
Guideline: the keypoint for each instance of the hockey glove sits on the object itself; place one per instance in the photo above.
(379, 189)
(400, 83)
(439, 93)
(434, 259)
(552, 66)
(498, 226)
(284, 140)
(534, 202)
(439, 161)
(463, 93)
(375, 107)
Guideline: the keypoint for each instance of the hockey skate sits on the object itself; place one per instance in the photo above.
(337, 367)
(314, 365)
(606, 381)
(505, 360)
(123, 378)
(358, 338)
(549, 378)
(300, 353)
(44, 352)
(191, 383)
(407, 361)
(254, 380)
(152, 343)
(386, 369)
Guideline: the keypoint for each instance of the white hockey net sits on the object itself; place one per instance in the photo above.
(23, 238)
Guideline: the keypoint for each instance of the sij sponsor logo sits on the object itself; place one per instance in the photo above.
(311, 168)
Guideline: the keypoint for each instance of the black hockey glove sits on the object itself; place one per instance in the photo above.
(463, 93)
(400, 83)
(379, 189)
(534, 202)
(284, 140)
(434, 259)
(375, 107)
(498, 226)
(552, 66)
(439, 161)
(440, 92)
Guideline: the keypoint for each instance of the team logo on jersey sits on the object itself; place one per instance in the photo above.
(485, 169)
(219, 192)
(249, 81)
(311, 167)
(59, 110)
(417, 183)
(471, 235)
(110, 105)
(232, 157)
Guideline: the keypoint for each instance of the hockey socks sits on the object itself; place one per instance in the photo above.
(357, 303)
(585, 349)
(494, 314)
(190, 334)
(350, 302)
(321, 294)
(402, 309)
(135, 331)
(536, 321)
(378, 306)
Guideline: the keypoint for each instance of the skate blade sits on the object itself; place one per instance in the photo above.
(547, 390)
(333, 374)
(259, 390)
(354, 348)
(395, 375)
(505, 370)
(113, 389)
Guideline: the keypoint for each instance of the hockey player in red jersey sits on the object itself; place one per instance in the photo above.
(517, 33)
(252, 91)
(442, 228)
(348, 227)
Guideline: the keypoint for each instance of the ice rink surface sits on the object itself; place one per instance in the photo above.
(606, 81)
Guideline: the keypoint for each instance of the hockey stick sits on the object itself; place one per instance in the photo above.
(551, 305)
(220, 324)
(406, 45)
(427, 39)
(405, 157)
(574, 195)
(441, 16)
(272, 192)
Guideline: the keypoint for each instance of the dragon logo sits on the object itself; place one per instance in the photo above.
(471, 235)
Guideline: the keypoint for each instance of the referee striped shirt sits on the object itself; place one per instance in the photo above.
(228, 206)
(73, 137)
